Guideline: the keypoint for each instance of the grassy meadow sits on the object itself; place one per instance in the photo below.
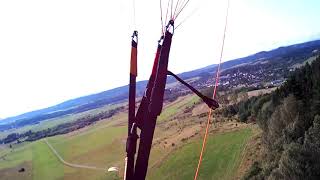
(221, 159)
(103, 145)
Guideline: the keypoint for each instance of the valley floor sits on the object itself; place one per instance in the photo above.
(175, 152)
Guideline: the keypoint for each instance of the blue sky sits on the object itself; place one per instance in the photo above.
(51, 51)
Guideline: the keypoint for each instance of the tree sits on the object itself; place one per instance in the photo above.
(291, 127)
(302, 161)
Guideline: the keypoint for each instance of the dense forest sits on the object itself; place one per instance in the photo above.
(290, 120)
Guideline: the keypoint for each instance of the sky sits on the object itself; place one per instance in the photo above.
(52, 51)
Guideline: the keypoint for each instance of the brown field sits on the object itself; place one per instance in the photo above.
(261, 92)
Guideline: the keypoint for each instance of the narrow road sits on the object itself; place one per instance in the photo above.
(71, 164)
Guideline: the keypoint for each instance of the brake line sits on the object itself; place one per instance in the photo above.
(214, 95)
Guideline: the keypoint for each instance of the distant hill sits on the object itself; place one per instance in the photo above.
(295, 53)
(73, 106)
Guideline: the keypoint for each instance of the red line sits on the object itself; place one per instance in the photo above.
(214, 95)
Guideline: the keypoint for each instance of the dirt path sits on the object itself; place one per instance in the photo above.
(71, 164)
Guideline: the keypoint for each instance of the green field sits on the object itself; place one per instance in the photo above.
(221, 160)
(178, 106)
(101, 148)
(103, 145)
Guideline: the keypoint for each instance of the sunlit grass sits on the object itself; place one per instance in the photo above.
(221, 160)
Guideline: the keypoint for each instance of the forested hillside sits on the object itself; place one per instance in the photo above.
(290, 120)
